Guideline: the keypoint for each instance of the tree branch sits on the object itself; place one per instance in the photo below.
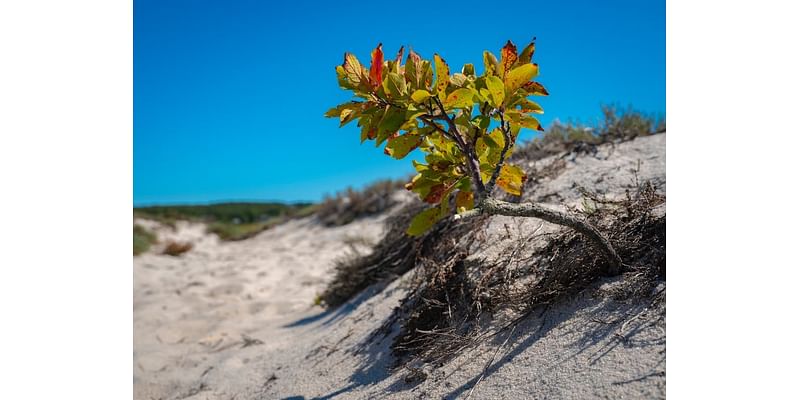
(506, 146)
(493, 206)
(472, 160)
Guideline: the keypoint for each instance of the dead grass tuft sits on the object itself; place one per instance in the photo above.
(349, 205)
(176, 249)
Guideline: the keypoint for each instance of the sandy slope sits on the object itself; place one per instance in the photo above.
(236, 320)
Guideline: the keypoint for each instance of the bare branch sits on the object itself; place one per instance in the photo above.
(493, 206)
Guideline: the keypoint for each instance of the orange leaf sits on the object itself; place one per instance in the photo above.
(376, 69)
(508, 56)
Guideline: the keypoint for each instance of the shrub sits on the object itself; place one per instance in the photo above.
(466, 125)
(142, 239)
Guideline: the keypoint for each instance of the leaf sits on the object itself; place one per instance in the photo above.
(529, 122)
(535, 89)
(423, 221)
(496, 90)
(337, 111)
(399, 56)
(390, 123)
(461, 98)
(527, 53)
(468, 70)
(347, 116)
(508, 56)
(458, 80)
(376, 68)
(412, 68)
(519, 76)
(395, 86)
(442, 75)
(420, 95)
(398, 147)
(489, 64)
(511, 179)
(465, 200)
(528, 106)
(353, 71)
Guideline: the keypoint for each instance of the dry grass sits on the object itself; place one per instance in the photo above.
(176, 249)
(349, 205)
(575, 138)
(442, 315)
(395, 254)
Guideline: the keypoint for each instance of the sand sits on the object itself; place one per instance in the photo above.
(237, 320)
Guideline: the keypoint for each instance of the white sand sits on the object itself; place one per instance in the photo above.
(235, 320)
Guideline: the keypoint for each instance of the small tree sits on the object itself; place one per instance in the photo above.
(466, 125)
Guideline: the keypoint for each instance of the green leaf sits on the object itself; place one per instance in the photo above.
(442, 76)
(420, 95)
(527, 53)
(390, 123)
(511, 179)
(520, 76)
(468, 70)
(481, 121)
(336, 112)
(400, 146)
(496, 91)
(395, 86)
(460, 98)
(423, 221)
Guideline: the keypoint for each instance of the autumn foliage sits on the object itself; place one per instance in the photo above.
(465, 124)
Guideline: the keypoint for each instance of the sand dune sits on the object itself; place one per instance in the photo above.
(236, 320)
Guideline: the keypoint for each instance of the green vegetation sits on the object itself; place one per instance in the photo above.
(230, 221)
(142, 239)
(465, 124)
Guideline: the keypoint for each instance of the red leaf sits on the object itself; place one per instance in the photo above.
(436, 193)
(376, 69)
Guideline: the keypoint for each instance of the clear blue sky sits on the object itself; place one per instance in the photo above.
(229, 95)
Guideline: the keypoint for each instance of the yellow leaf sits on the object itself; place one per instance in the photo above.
(520, 76)
(511, 179)
(460, 98)
(496, 90)
(465, 200)
(420, 95)
(442, 75)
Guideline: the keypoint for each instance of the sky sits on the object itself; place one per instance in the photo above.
(229, 96)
